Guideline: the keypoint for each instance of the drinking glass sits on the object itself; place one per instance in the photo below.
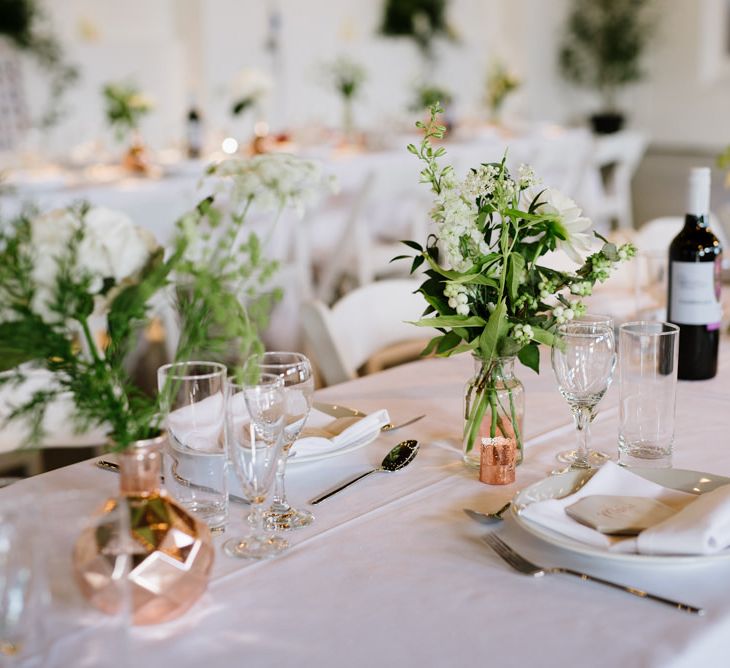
(583, 360)
(195, 465)
(255, 422)
(597, 456)
(296, 372)
(647, 393)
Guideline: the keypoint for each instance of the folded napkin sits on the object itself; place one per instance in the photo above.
(360, 428)
(611, 479)
(199, 426)
(702, 527)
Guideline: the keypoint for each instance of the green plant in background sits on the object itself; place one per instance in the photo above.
(420, 20)
(124, 107)
(427, 95)
(485, 288)
(249, 89)
(603, 45)
(25, 26)
(65, 273)
(500, 83)
(347, 77)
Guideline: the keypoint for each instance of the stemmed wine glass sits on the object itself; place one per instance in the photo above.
(583, 360)
(296, 372)
(597, 457)
(255, 415)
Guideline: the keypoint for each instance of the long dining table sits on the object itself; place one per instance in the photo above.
(393, 573)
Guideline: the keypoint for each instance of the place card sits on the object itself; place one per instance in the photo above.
(619, 515)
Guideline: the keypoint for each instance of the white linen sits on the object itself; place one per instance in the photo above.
(392, 573)
(611, 479)
(702, 527)
(199, 425)
(360, 428)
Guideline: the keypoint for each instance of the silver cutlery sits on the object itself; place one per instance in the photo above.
(336, 427)
(337, 411)
(519, 563)
(114, 468)
(488, 518)
(400, 456)
(392, 427)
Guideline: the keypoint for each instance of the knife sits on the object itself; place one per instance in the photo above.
(336, 410)
(114, 467)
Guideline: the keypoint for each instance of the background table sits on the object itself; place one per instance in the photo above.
(393, 573)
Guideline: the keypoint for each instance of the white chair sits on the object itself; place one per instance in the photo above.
(656, 235)
(342, 338)
(616, 158)
(390, 204)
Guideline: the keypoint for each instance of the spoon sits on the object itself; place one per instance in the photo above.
(487, 518)
(401, 455)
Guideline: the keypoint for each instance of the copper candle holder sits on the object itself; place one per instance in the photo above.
(498, 461)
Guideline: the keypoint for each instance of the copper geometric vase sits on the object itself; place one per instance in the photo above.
(171, 551)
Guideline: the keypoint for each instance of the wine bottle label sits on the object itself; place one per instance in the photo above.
(696, 293)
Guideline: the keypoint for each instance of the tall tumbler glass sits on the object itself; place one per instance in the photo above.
(648, 393)
(195, 464)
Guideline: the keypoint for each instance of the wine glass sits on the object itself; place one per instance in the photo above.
(597, 457)
(255, 415)
(583, 360)
(296, 372)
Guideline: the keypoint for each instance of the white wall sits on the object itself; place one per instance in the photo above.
(174, 47)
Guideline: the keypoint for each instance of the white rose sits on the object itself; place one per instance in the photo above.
(113, 246)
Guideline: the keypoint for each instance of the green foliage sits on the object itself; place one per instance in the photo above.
(499, 85)
(428, 95)
(505, 302)
(346, 76)
(25, 25)
(214, 269)
(603, 44)
(420, 20)
(124, 107)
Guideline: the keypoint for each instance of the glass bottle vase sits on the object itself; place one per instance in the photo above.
(171, 552)
(494, 405)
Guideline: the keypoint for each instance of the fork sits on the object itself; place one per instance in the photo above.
(519, 563)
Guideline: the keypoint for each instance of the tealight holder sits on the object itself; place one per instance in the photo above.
(498, 460)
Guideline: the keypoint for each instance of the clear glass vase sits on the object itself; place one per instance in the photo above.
(494, 405)
(171, 551)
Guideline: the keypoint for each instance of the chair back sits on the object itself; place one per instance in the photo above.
(372, 317)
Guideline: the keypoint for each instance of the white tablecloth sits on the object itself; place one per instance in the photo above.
(392, 573)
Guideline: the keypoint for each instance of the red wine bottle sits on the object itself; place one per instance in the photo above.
(695, 258)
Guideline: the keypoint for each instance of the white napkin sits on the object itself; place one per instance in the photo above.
(701, 527)
(316, 445)
(199, 426)
(610, 479)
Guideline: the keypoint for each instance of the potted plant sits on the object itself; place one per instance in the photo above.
(500, 83)
(486, 289)
(24, 25)
(602, 49)
(347, 76)
(125, 106)
(420, 20)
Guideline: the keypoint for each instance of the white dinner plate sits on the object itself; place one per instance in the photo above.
(558, 486)
(334, 452)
